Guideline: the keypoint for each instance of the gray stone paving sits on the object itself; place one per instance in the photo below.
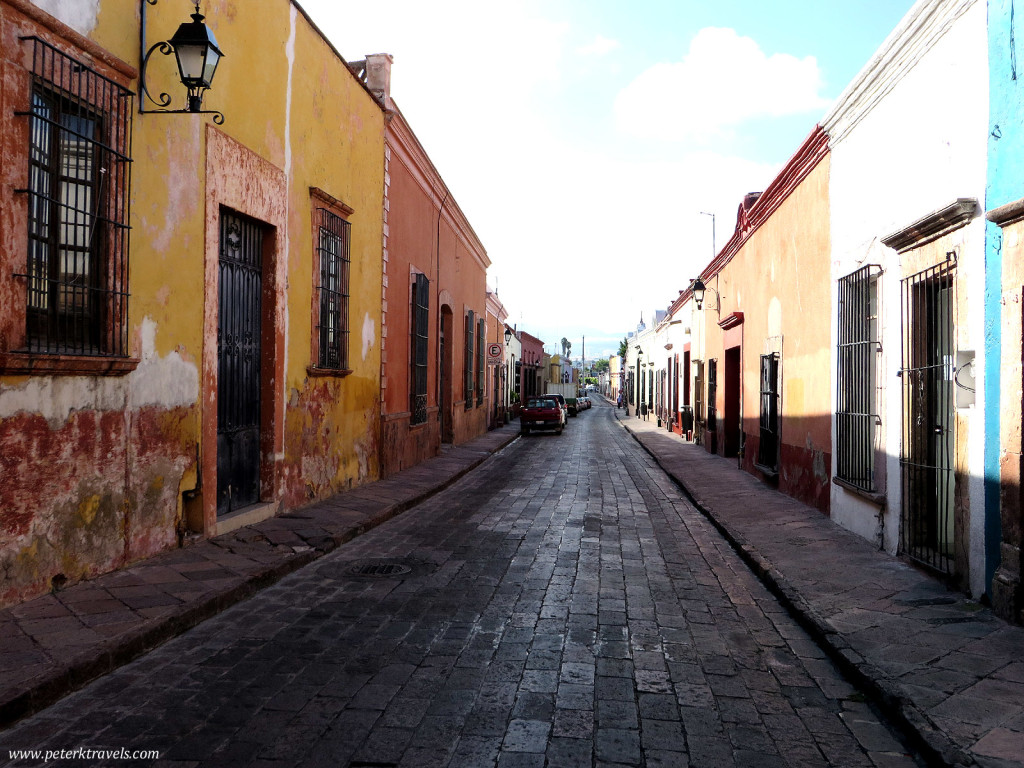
(565, 607)
(941, 662)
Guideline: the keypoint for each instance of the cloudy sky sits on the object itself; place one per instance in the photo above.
(587, 136)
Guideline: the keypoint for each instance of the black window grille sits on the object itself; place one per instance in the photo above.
(856, 400)
(929, 424)
(332, 292)
(467, 369)
(768, 445)
(79, 160)
(519, 383)
(651, 404)
(673, 378)
(420, 348)
(481, 367)
(684, 382)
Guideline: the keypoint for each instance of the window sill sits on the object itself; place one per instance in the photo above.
(877, 498)
(766, 471)
(35, 364)
(338, 373)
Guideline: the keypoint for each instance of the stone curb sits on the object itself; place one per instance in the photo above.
(935, 746)
(116, 652)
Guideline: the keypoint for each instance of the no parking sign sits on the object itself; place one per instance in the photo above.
(495, 354)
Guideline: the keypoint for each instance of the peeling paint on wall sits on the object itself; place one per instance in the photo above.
(369, 334)
(168, 381)
(80, 15)
(55, 398)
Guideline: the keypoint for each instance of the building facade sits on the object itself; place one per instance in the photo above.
(190, 320)
(497, 387)
(1004, 259)
(909, 283)
(760, 349)
(434, 372)
(531, 375)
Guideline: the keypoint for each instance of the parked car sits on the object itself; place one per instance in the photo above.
(541, 413)
(573, 404)
(561, 402)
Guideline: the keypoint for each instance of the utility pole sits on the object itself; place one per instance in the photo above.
(714, 252)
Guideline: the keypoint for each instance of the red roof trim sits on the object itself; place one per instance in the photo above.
(800, 165)
(736, 318)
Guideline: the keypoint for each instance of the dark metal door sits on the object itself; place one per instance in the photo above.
(713, 405)
(927, 452)
(698, 401)
(238, 363)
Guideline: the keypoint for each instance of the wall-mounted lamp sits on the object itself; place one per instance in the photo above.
(508, 334)
(698, 288)
(197, 54)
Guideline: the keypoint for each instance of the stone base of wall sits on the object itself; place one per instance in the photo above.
(1007, 597)
(404, 445)
(804, 474)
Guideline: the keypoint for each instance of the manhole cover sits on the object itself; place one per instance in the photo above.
(376, 568)
(379, 569)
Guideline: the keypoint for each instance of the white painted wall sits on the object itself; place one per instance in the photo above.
(909, 136)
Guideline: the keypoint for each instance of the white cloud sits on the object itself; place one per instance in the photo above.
(599, 46)
(723, 81)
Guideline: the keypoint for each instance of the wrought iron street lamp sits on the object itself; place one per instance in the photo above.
(197, 54)
(698, 289)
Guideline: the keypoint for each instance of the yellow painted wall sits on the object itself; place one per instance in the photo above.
(289, 99)
(293, 110)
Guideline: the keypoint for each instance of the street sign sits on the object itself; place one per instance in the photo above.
(495, 353)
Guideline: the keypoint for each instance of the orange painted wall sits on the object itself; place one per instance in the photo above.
(426, 233)
(779, 280)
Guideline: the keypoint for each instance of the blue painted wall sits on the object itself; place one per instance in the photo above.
(1005, 184)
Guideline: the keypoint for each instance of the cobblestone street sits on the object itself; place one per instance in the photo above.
(562, 605)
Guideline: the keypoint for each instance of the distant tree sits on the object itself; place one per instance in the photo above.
(623, 347)
(601, 366)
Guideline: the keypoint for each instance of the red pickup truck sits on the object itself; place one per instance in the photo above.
(541, 413)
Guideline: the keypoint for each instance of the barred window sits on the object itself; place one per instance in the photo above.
(332, 291)
(79, 164)
(768, 445)
(856, 399)
(420, 348)
(467, 369)
(481, 333)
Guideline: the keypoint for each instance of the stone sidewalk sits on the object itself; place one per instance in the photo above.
(56, 643)
(942, 664)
